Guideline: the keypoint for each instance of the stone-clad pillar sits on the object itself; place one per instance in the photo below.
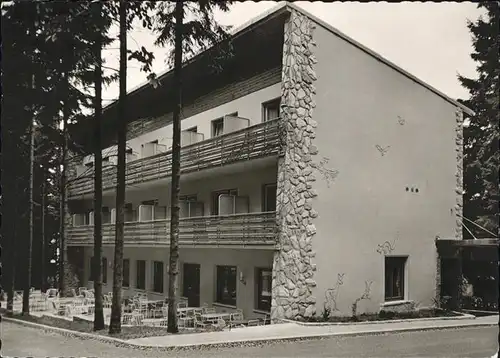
(293, 271)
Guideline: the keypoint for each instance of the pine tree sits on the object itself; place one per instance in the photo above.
(481, 154)
(188, 37)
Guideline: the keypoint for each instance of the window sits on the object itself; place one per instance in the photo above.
(217, 127)
(271, 110)
(269, 197)
(394, 278)
(158, 276)
(226, 285)
(104, 270)
(126, 273)
(215, 198)
(140, 281)
(264, 287)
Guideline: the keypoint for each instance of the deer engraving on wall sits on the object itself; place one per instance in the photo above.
(332, 294)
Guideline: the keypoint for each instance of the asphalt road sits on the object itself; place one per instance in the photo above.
(20, 341)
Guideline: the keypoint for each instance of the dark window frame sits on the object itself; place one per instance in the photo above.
(265, 204)
(394, 278)
(140, 282)
(224, 274)
(214, 207)
(215, 124)
(157, 284)
(273, 103)
(263, 304)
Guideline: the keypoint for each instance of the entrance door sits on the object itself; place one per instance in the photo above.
(191, 284)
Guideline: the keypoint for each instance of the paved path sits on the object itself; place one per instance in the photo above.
(291, 330)
(20, 341)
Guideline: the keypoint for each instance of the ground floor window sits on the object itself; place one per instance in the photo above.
(140, 282)
(104, 270)
(395, 278)
(226, 285)
(264, 287)
(126, 273)
(158, 276)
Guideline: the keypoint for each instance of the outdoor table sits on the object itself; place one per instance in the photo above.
(187, 309)
(155, 322)
(215, 316)
(239, 322)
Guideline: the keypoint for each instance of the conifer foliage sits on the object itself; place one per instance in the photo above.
(481, 146)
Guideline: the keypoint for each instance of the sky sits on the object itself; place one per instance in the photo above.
(429, 40)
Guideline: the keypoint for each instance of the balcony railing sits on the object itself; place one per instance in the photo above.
(254, 142)
(239, 229)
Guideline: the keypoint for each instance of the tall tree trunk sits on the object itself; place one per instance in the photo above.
(27, 278)
(116, 310)
(62, 208)
(43, 274)
(98, 312)
(176, 174)
(9, 200)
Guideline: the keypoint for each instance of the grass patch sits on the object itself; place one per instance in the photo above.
(128, 332)
(386, 315)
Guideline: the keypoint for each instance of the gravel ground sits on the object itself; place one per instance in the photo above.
(20, 341)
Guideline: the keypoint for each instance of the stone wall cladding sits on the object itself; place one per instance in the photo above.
(293, 271)
(459, 149)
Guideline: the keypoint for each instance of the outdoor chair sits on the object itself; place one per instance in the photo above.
(59, 309)
(157, 310)
(80, 290)
(237, 316)
(185, 319)
(163, 323)
(198, 322)
(126, 319)
(51, 293)
(182, 304)
(220, 325)
(253, 322)
(137, 319)
(106, 301)
(164, 310)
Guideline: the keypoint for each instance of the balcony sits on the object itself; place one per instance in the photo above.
(254, 229)
(253, 142)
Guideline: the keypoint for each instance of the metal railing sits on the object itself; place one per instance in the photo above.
(254, 142)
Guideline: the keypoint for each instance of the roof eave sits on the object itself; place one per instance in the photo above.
(248, 26)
